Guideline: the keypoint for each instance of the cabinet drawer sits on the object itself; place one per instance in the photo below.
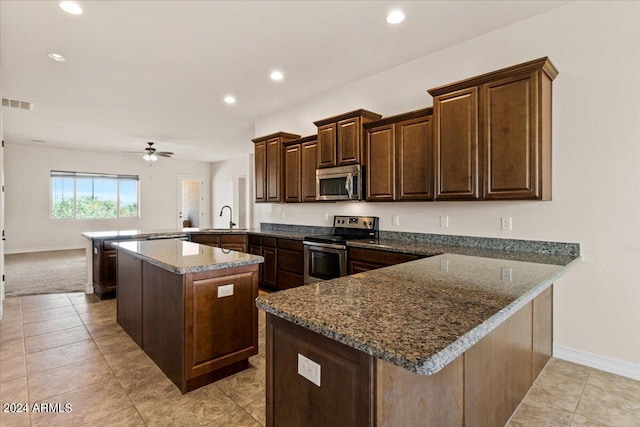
(255, 240)
(232, 238)
(269, 241)
(292, 245)
(380, 257)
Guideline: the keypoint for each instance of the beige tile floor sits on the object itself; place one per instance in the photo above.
(68, 348)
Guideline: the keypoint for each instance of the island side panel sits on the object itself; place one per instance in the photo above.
(406, 399)
(220, 330)
(498, 371)
(542, 330)
(163, 321)
(129, 298)
(346, 393)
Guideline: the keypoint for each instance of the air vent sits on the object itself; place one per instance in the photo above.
(17, 103)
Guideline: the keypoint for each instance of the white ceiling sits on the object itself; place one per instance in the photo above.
(140, 71)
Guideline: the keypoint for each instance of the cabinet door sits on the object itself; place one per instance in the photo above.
(270, 266)
(381, 172)
(109, 270)
(511, 149)
(345, 395)
(274, 170)
(456, 145)
(309, 159)
(327, 146)
(257, 250)
(414, 157)
(349, 141)
(293, 174)
(260, 159)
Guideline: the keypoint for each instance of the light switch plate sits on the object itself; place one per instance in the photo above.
(395, 220)
(444, 221)
(225, 291)
(309, 369)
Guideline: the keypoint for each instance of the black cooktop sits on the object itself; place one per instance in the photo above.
(348, 228)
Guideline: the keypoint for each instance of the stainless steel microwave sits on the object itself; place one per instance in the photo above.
(340, 183)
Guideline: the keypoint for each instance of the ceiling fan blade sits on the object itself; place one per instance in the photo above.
(164, 153)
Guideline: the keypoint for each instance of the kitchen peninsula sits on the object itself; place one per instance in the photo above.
(190, 307)
(447, 340)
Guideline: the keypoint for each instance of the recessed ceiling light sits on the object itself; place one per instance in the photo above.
(230, 99)
(57, 57)
(277, 75)
(395, 17)
(71, 7)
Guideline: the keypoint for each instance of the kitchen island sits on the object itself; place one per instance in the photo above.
(448, 340)
(190, 307)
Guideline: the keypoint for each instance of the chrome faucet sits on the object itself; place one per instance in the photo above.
(231, 223)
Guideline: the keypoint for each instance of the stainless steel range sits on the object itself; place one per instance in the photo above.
(325, 256)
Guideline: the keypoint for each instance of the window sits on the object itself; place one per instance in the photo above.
(76, 195)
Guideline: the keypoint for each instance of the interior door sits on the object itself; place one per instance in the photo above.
(190, 201)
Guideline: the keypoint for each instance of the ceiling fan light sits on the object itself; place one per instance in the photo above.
(153, 157)
(147, 157)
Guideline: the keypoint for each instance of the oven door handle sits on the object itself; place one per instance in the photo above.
(320, 246)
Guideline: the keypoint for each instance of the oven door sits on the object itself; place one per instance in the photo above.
(323, 261)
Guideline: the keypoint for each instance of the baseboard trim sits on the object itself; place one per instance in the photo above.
(597, 361)
(31, 250)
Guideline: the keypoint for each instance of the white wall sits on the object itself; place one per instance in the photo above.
(28, 193)
(223, 175)
(596, 160)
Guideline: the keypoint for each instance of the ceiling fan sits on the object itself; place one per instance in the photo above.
(150, 153)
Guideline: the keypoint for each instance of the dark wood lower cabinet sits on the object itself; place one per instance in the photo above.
(345, 396)
(361, 260)
(192, 334)
(482, 387)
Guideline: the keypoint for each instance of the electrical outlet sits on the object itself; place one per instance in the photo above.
(444, 265)
(283, 215)
(395, 220)
(506, 223)
(309, 369)
(325, 216)
(506, 273)
(225, 291)
(444, 221)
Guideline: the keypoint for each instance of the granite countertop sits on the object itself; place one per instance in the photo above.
(139, 234)
(431, 249)
(181, 257)
(420, 315)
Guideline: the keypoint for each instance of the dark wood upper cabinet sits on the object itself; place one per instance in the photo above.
(300, 169)
(269, 167)
(399, 155)
(414, 158)
(326, 146)
(456, 145)
(381, 169)
(260, 158)
(492, 134)
(293, 175)
(308, 165)
(341, 138)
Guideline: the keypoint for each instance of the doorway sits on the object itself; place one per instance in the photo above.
(190, 201)
(240, 199)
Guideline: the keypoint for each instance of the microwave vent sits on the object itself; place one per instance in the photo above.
(17, 103)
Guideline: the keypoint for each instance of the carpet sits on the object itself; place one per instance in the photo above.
(45, 272)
